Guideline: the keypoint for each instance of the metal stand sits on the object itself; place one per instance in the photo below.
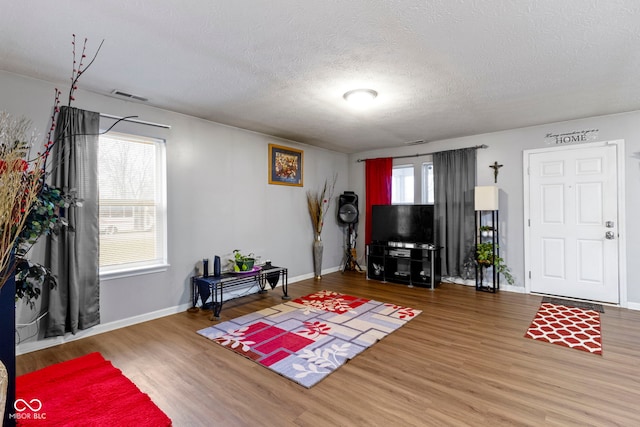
(214, 285)
(350, 255)
(494, 285)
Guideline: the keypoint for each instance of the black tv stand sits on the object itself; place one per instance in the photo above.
(413, 264)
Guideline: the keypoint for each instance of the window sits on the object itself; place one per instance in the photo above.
(131, 181)
(402, 185)
(427, 184)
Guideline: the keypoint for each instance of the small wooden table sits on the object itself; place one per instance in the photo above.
(268, 274)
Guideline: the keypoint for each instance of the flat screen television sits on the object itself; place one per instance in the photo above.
(402, 223)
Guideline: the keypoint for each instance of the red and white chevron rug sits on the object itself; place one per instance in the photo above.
(567, 326)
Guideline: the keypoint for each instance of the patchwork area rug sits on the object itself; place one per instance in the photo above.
(572, 327)
(308, 338)
(87, 391)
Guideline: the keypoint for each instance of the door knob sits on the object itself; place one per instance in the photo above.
(609, 235)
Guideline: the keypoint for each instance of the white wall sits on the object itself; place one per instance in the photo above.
(207, 217)
(218, 198)
(507, 149)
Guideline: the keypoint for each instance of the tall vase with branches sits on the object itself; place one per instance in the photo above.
(318, 203)
(29, 208)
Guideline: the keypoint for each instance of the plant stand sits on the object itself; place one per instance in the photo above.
(482, 220)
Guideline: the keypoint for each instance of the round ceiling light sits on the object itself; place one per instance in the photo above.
(360, 97)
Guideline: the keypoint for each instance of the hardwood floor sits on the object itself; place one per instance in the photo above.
(463, 361)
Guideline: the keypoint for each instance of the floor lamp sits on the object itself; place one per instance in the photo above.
(487, 200)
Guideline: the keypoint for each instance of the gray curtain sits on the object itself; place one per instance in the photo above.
(454, 182)
(72, 251)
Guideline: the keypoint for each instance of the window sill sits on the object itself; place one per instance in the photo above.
(137, 271)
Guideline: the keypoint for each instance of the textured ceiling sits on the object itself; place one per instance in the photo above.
(443, 68)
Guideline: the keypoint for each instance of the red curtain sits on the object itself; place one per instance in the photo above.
(378, 181)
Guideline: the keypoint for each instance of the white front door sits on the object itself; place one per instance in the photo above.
(573, 215)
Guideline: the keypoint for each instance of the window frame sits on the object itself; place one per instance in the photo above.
(160, 263)
(425, 183)
(413, 170)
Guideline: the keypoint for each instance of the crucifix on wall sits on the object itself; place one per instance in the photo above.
(495, 166)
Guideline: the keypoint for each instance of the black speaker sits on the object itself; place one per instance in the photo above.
(348, 208)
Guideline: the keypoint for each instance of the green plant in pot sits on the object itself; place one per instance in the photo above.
(486, 258)
(486, 230)
(44, 218)
(242, 262)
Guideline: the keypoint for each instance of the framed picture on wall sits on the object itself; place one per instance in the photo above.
(285, 165)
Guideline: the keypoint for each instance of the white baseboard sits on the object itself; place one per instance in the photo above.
(472, 282)
(633, 305)
(31, 346)
(311, 275)
(511, 288)
(28, 347)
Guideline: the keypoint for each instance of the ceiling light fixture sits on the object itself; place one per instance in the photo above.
(360, 97)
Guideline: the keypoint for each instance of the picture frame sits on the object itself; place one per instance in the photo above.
(286, 166)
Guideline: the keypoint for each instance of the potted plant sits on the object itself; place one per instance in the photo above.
(242, 262)
(485, 257)
(486, 230)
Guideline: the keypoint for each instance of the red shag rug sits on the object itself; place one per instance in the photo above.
(87, 391)
(567, 326)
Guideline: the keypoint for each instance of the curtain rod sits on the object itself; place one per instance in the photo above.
(428, 154)
(133, 119)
